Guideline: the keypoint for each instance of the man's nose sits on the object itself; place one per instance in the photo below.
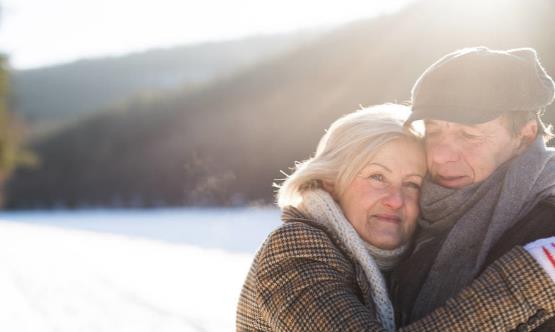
(394, 198)
(441, 152)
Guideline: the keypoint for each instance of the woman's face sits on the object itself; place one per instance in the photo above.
(382, 201)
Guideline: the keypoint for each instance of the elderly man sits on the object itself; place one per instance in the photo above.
(491, 179)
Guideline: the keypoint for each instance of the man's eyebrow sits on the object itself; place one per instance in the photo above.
(431, 123)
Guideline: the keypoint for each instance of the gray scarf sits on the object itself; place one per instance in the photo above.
(475, 217)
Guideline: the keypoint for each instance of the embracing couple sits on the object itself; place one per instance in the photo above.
(387, 228)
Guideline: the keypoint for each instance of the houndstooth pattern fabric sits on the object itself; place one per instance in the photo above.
(302, 279)
(319, 205)
(514, 293)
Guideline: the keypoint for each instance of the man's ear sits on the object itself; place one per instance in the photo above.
(528, 133)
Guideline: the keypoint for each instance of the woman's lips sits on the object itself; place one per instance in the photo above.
(390, 218)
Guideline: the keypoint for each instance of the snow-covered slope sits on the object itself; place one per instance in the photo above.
(62, 279)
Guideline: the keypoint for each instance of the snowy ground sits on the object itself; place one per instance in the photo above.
(162, 270)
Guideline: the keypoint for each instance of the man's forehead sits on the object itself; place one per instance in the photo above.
(447, 124)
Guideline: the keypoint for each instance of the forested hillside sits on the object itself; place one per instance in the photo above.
(226, 143)
(55, 93)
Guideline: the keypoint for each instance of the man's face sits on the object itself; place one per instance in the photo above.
(459, 155)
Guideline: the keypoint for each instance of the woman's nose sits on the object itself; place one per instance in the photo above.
(394, 198)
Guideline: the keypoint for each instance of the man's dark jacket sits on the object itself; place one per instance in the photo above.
(409, 276)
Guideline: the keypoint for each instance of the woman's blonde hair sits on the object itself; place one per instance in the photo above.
(345, 149)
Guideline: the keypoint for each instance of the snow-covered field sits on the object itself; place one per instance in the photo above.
(138, 270)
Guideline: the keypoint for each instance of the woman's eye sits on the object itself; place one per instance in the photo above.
(378, 181)
(377, 177)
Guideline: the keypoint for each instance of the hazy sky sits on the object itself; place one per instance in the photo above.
(41, 32)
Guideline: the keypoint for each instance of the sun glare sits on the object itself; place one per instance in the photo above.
(36, 32)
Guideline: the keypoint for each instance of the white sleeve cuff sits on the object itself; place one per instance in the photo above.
(543, 251)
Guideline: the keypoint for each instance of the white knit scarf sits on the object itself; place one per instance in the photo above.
(324, 210)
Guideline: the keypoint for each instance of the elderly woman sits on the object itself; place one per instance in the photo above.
(349, 214)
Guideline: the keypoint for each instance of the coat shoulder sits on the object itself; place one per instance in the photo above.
(299, 240)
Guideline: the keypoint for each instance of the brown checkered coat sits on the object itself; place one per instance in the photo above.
(302, 279)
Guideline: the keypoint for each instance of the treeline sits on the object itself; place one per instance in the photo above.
(226, 143)
(11, 132)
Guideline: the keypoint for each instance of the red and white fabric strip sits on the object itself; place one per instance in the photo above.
(543, 251)
(549, 255)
